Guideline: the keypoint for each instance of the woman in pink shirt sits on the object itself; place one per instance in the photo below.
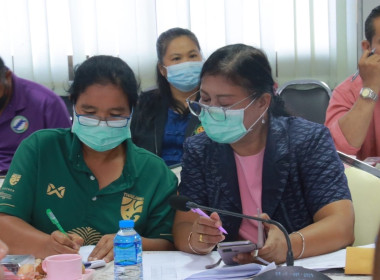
(253, 157)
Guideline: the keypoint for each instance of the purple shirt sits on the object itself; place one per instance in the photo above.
(31, 108)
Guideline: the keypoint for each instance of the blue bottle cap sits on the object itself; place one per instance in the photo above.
(126, 223)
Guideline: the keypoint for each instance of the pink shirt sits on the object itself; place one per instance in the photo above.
(249, 171)
(343, 98)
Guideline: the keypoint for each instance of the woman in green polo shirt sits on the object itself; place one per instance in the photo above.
(90, 176)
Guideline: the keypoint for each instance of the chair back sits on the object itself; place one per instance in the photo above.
(365, 192)
(306, 98)
(176, 169)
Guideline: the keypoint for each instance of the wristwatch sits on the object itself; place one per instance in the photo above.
(368, 93)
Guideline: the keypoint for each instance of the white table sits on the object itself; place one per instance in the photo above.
(175, 265)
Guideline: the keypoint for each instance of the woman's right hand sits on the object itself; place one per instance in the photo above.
(59, 243)
(205, 234)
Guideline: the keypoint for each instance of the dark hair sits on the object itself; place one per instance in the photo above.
(369, 27)
(248, 67)
(104, 69)
(162, 44)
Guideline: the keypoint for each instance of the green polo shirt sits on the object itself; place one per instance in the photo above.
(48, 171)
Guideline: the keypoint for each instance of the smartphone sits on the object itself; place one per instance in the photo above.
(227, 250)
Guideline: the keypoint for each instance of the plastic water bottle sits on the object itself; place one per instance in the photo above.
(127, 252)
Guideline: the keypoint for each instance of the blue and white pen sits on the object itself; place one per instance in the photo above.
(94, 264)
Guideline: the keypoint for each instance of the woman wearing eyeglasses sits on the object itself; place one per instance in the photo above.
(90, 177)
(162, 120)
(253, 158)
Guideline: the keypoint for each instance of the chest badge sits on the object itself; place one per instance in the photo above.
(131, 207)
(15, 178)
(19, 124)
(51, 190)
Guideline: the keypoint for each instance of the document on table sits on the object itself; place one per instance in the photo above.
(328, 261)
(179, 265)
(85, 251)
(232, 272)
(173, 265)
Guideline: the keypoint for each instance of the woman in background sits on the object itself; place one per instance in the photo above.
(162, 121)
(253, 157)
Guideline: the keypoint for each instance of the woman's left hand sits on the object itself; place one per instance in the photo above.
(274, 249)
(104, 249)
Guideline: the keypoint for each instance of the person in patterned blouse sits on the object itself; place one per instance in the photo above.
(254, 158)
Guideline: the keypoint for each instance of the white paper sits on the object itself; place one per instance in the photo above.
(328, 261)
(228, 272)
(85, 251)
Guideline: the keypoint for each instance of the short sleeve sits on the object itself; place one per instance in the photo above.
(17, 192)
(161, 214)
(343, 98)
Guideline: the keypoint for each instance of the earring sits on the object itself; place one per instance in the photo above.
(262, 121)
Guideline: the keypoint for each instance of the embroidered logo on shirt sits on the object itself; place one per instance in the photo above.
(89, 235)
(51, 189)
(131, 207)
(15, 178)
(199, 129)
(19, 124)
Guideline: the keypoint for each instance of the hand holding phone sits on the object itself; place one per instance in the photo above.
(228, 250)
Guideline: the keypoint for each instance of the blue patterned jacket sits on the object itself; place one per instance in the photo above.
(302, 173)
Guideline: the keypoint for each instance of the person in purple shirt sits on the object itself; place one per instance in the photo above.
(25, 107)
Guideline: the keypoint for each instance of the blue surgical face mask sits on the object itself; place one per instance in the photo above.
(185, 76)
(102, 137)
(228, 129)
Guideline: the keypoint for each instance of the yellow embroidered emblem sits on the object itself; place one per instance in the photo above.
(89, 235)
(131, 207)
(199, 129)
(51, 189)
(15, 178)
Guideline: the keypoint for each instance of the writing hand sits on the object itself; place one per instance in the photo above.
(205, 233)
(59, 243)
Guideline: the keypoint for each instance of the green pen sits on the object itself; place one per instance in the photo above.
(54, 220)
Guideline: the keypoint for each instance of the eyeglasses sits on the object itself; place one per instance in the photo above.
(91, 120)
(217, 113)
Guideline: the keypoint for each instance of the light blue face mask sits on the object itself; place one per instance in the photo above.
(228, 129)
(185, 76)
(102, 137)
